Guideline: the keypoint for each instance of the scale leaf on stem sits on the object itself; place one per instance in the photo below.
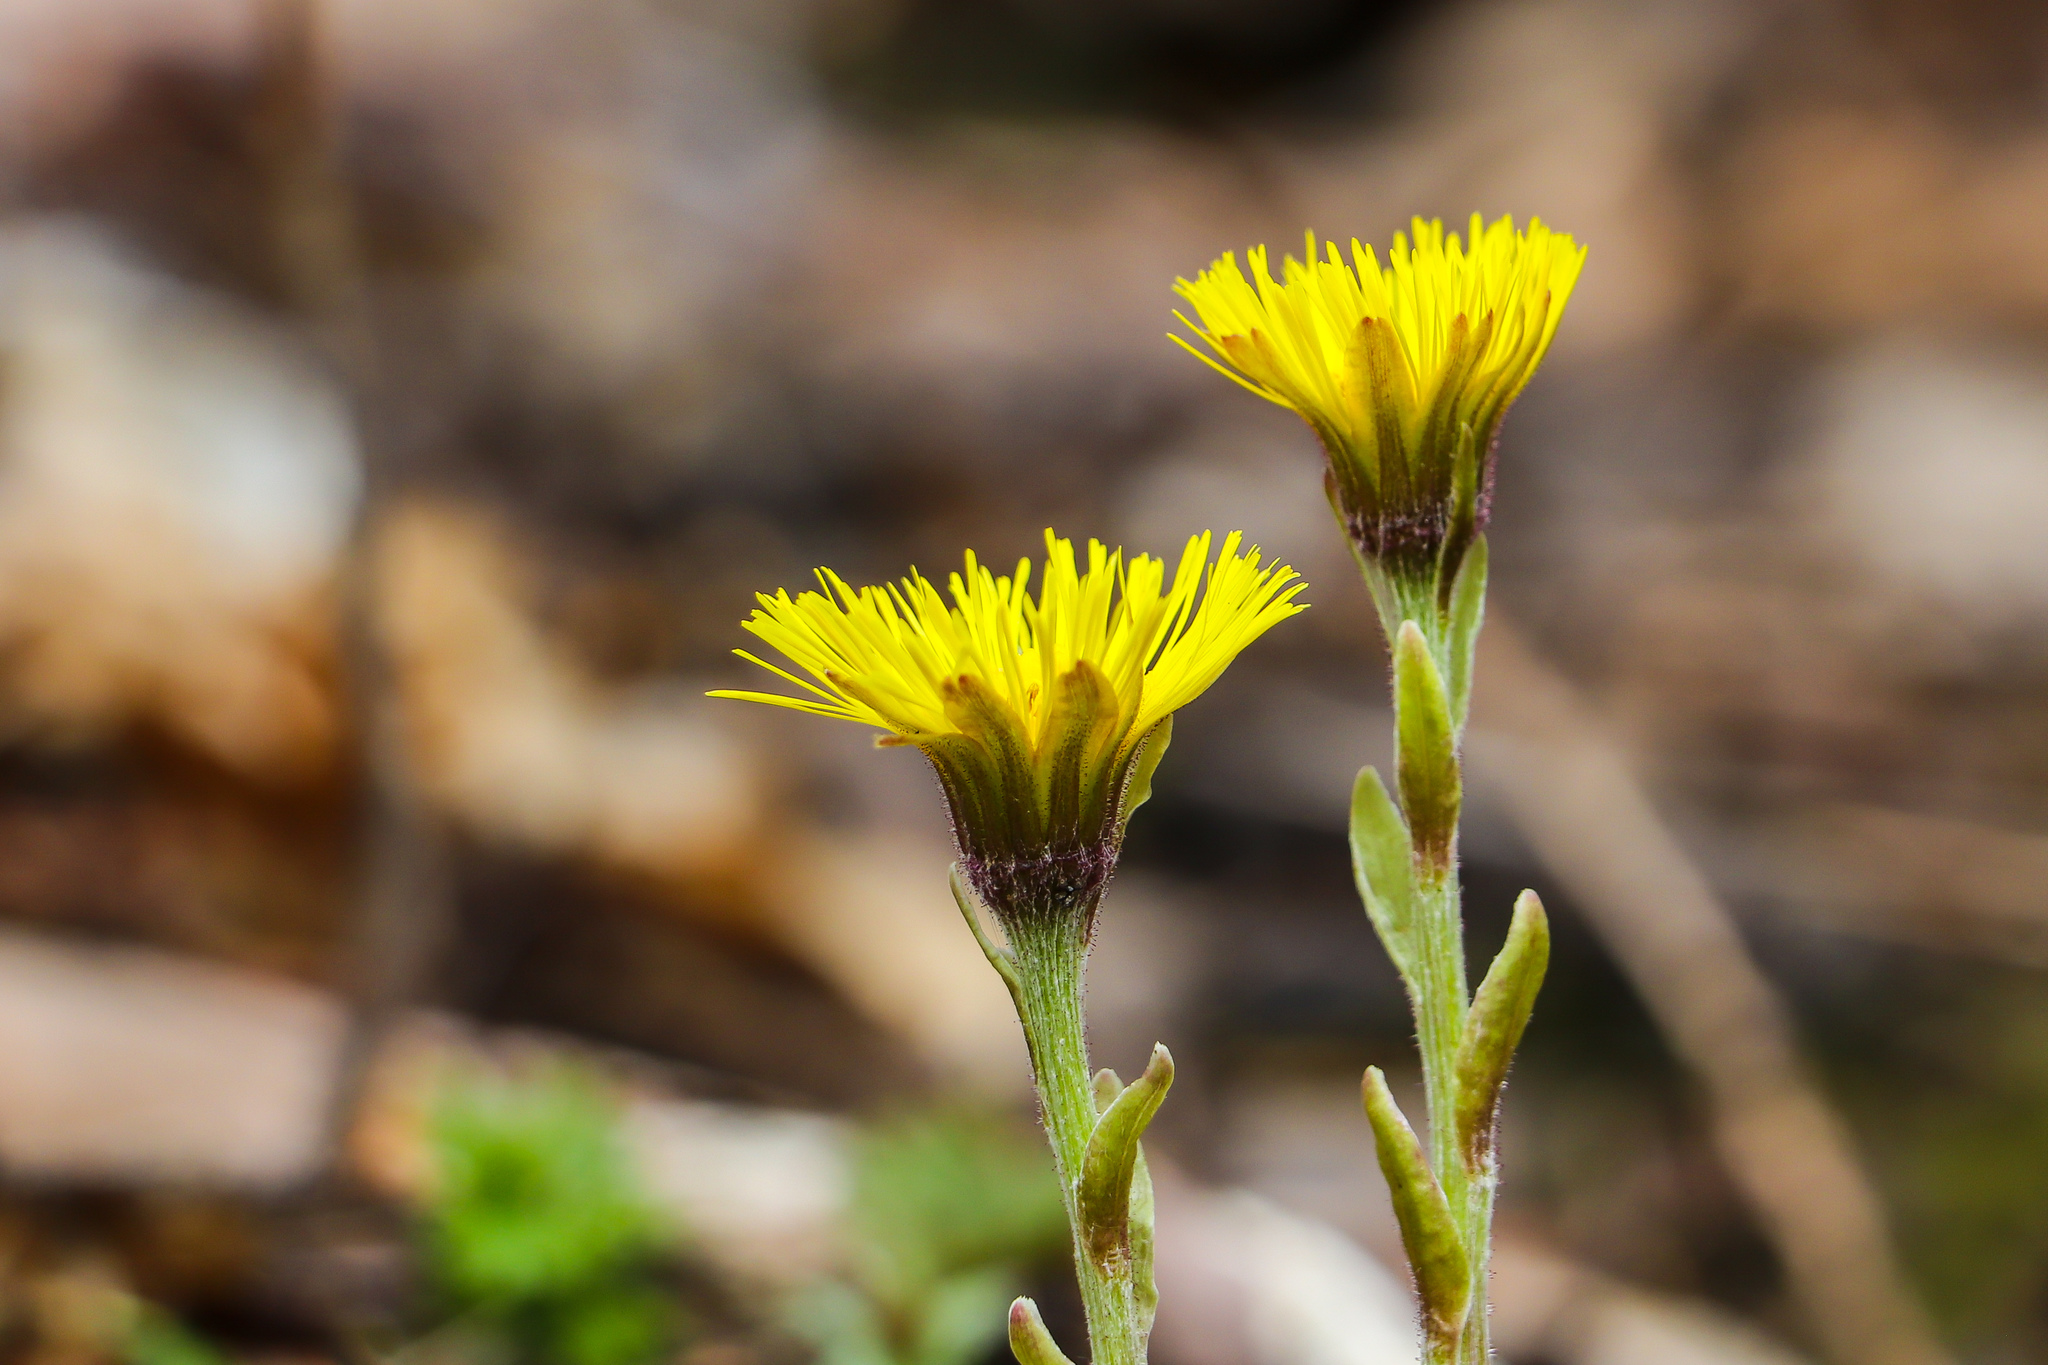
(1426, 756)
(1029, 1341)
(1493, 1030)
(1109, 1166)
(1384, 868)
(1436, 1253)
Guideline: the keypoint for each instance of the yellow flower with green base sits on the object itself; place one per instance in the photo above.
(1404, 372)
(1040, 714)
(1043, 717)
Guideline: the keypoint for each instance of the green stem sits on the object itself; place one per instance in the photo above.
(1439, 1025)
(1440, 1014)
(1050, 953)
(1407, 597)
(1440, 1003)
(1439, 993)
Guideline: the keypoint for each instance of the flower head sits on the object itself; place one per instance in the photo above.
(1041, 715)
(1403, 371)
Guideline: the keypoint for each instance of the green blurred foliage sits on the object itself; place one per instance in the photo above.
(949, 1212)
(1964, 1163)
(538, 1240)
(154, 1337)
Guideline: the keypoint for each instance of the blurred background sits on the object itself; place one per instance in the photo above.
(401, 401)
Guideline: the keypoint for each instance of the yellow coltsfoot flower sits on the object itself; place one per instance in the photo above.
(1404, 373)
(1043, 717)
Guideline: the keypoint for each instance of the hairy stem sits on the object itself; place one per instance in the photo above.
(1438, 991)
(1050, 953)
(1439, 998)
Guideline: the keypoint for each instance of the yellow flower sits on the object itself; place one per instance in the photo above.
(1042, 716)
(1404, 371)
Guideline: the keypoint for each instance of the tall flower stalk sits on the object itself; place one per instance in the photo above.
(1044, 719)
(1404, 373)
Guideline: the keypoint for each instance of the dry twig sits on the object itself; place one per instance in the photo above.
(403, 901)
